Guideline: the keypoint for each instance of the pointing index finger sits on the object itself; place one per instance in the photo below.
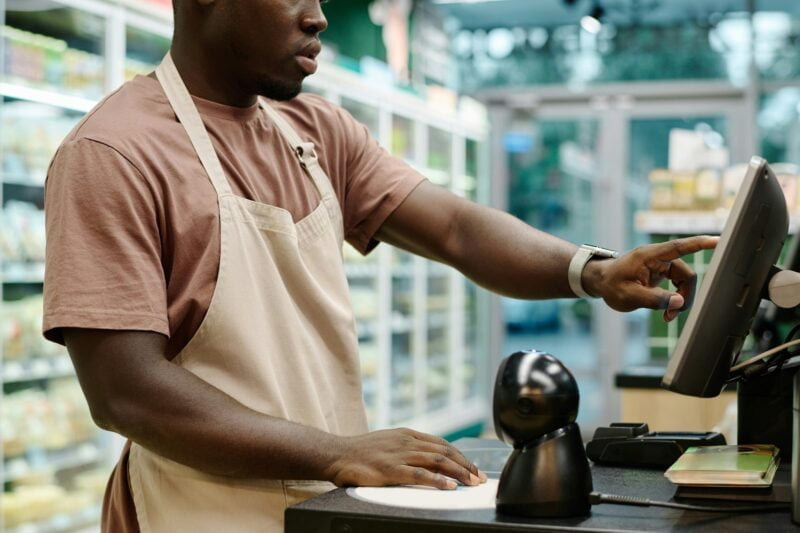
(667, 251)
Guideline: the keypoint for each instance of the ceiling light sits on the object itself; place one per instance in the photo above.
(592, 22)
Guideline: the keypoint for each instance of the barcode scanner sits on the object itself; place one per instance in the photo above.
(535, 406)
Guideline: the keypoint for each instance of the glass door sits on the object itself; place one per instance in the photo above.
(402, 295)
(475, 356)
(568, 161)
(438, 306)
(682, 157)
(362, 275)
(553, 165)
(54, 469)
(144, 48)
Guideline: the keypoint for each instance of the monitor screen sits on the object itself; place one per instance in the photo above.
(731, 290)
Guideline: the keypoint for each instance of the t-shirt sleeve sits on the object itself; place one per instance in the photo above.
(103, 267)
(376, 183)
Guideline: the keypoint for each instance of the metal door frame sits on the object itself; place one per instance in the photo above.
(614, 106)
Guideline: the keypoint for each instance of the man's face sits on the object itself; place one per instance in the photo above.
(272, 44)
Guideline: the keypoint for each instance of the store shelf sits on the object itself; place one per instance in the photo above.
(365, 328)
(37, 368)
(62, 522)
(401, 324)
(402, 364)
(337, 81)
(148, 7)
(61, 56)
(402, 270)
(63, 101)
(22, 182)
(53, 461)
(360, 270)
(689, 222)
(403, 413)
(450, 418)
(20, 190)
(23, 272)
(438, 269)
(438, 319)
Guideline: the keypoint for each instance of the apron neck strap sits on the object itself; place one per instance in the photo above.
(187, 114)
(181, 101)
(308, 159)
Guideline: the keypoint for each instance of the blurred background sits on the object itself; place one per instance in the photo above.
(612, 122)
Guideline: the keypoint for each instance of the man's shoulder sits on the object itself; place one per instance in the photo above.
(135, 115)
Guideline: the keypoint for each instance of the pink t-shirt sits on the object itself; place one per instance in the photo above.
(133, 223)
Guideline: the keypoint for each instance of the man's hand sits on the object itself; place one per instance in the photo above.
(401, 457)
(631, 281)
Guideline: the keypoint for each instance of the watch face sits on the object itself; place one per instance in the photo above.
(599, 251)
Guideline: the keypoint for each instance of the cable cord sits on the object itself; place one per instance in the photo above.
(764, 355)
(596, 498)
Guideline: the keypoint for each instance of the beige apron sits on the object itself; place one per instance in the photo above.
(279, 337)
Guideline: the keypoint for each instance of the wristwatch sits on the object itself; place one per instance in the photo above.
(579, 260)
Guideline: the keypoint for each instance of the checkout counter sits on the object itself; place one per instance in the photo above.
(643, 399)
(339, 512)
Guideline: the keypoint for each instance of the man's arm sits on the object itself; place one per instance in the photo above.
(134, 390)
(509, 257)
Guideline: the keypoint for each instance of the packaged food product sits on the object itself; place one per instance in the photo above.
(708, 184)
(683, 190)
(660, 189)
(731, 181)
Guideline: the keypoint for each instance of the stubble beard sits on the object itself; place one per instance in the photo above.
(277, 90)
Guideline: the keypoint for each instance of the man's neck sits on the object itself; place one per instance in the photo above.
(206, 77)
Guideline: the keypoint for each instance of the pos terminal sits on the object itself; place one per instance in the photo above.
(740, 275)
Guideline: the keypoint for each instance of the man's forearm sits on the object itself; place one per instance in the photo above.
(494, 249)
(133, 390)
(507, 256)
(172, 412)
(185, 419)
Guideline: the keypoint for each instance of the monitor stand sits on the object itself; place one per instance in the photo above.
(796, 450)
(764, 406)
(769, 406)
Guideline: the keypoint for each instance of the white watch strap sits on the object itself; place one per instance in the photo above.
(578, 263)
(575, 272)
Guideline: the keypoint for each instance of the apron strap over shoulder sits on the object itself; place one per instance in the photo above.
(187, 114)
(308, 160)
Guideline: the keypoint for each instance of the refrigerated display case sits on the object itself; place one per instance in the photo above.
(59, 57)
(419, 323)
(426, 361)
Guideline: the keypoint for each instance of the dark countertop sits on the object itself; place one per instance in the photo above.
(338, 512)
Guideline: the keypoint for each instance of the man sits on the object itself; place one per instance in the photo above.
(194, 273)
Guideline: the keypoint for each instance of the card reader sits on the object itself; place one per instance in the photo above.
(633, 444)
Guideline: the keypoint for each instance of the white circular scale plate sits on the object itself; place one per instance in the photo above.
(417, 497)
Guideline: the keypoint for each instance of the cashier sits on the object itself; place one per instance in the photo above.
(195, 222)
